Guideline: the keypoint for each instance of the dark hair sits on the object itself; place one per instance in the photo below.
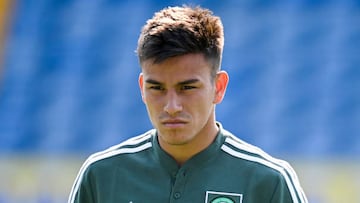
(176, 31)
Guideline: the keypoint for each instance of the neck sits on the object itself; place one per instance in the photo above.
(183, 152)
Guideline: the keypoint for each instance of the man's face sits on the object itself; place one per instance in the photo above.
(180, 97)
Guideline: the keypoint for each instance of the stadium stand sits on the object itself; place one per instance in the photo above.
(68, 88)
(70, 75)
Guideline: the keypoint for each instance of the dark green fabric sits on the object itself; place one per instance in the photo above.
(150, 175)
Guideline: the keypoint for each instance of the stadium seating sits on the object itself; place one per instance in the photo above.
(69, 81)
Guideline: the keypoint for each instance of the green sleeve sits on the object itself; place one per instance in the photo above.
(281, 193)
(84, 193)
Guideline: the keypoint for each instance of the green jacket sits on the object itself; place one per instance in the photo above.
(228, 171)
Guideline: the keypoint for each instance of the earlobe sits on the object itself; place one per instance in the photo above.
(222, 79)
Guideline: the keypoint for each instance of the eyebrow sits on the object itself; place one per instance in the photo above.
(151, 81)
(185, 82)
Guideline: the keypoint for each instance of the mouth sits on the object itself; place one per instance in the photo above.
(174, 123)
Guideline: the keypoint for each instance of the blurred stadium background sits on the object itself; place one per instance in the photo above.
(68, 88)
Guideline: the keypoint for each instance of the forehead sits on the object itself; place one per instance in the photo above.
(177, 68)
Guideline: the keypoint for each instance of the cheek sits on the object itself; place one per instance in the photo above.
(202, 103)
(152, 112)
(152, 104)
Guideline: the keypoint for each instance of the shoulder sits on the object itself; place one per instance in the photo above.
(264, 162)
(133, 145)
(106, 157)
(245, 151)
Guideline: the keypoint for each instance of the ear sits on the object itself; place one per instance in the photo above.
(141, 85)
(221, 82)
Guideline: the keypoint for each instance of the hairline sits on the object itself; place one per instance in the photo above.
(213, 70)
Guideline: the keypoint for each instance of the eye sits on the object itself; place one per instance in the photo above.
(156, 87)
(188, 87)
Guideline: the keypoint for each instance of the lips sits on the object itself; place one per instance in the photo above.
(174, 123)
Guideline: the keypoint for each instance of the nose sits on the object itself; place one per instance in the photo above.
(173, 103)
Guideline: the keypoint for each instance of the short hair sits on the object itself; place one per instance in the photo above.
(176, 31)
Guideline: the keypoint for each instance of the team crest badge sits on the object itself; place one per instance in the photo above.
(223, 197)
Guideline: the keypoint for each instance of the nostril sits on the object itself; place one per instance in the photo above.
(172, 109)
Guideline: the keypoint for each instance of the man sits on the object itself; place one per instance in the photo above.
(188, 157)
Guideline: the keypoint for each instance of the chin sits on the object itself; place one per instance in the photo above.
(174, 138)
